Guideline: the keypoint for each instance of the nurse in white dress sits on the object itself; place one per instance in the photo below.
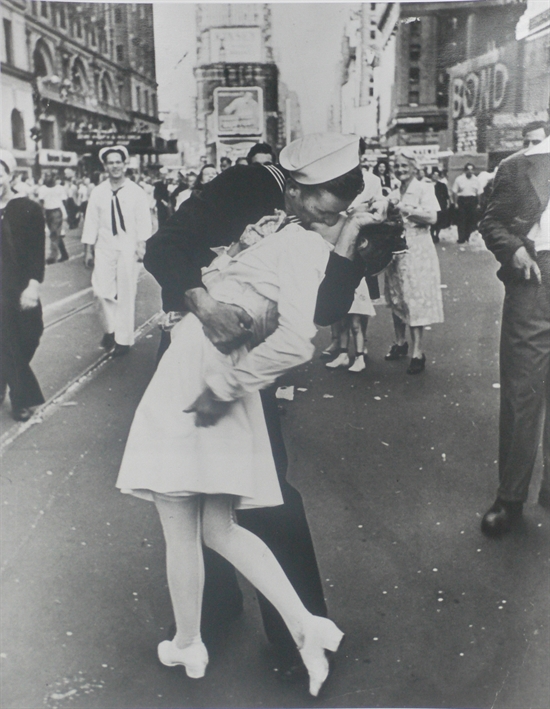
(199, 447)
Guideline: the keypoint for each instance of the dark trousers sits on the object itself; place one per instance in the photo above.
(20, 331)
(466, 217)
(285, 531)
(524, 383)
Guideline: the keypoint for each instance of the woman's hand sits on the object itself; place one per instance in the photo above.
(208, 409)
(416, 215)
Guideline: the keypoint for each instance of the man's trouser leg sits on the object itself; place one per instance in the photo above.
(524, 373)
(461, 220)
(20, 335)
(126, 284)
(285, 530)
(54, 222)
(105, 286)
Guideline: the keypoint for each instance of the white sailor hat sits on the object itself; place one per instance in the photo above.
(7, 159)
(320, 157)
(114, 149)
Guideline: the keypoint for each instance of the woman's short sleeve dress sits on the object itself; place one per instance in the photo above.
(276, 282)
(413, 280)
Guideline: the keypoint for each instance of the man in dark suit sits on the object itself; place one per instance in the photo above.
(236, 198)
(516, 229)
(22, 270)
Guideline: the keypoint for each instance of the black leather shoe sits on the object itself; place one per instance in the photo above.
(397, 351)
(544, 498)
(108, 341)
(120, 350)
(417, 365)
(23, 414)
(501, 517)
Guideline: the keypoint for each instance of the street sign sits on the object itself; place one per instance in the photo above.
(86, 140)
(239, 111)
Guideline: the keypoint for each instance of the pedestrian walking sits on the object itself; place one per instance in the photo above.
(412, 280)
(162, 197)
(442, 195)
(235, 199)
(516, 228)
(23, 247)
(466, 192)
(117, 225)
(52, 196)
(199, 446)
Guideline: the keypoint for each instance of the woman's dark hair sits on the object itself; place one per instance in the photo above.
(386, 177)
(198, 182)
(347, 186)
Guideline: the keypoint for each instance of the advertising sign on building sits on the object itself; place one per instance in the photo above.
(87, 140)
(239, 111)
(57, 158)
(235, 44)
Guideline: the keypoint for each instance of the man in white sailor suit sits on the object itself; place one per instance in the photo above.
(117, 225)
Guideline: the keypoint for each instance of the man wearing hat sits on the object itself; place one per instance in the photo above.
(23, 247)
(318, 178)
(117, 224)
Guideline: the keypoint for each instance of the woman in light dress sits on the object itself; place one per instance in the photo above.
(199, 446)
(413, 281)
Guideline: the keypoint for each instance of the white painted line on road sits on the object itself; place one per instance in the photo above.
(71, 388)
(67, 300)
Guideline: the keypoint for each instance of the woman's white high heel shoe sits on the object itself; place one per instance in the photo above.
(320, 634)
(193, 657)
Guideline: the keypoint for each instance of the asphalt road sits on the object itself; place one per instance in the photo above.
(396, 472)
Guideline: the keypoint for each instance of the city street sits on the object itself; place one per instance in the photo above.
(396, 472)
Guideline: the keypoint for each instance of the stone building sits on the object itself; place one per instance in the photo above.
(77, 77)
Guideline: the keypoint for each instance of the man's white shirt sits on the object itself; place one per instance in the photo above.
(467, 186)
(134, 205)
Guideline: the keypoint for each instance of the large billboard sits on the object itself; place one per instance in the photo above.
(239, 111)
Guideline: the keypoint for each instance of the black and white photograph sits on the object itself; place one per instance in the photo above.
(275, 355)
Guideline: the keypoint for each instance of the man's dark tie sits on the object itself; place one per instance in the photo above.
(115, 202)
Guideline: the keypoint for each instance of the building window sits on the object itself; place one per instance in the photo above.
(118, 15)
(119, 53)
(371, 91)
(46, 129)
(78, 28)
(34, 7)
(62, 16)
(78, 77)
(40, 62)
(8, 41)
(373, 6)
(414, 52)
(154, 104)
(44, 8)
(146, 99)
(138, 99)
(93, 36)
(414, 98)
(373, 34)
(415, 28)
(414, 75)
(105, 90)
(17, 130)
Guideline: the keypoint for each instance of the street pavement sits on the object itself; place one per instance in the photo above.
(396, 472)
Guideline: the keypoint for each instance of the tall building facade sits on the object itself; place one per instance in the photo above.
(367, 43)
(432, 38)
(77, 77)
(237, 79)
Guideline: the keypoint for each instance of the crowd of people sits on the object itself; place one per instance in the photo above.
(249, 262)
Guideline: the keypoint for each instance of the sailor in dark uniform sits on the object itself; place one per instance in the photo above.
(175, 254)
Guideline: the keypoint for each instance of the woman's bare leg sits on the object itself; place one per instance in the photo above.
(400, 330)
(416, 336)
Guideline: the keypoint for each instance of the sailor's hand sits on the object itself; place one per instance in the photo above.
(228, 327)
(356, 218)
(207, 409)
(523, 262)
